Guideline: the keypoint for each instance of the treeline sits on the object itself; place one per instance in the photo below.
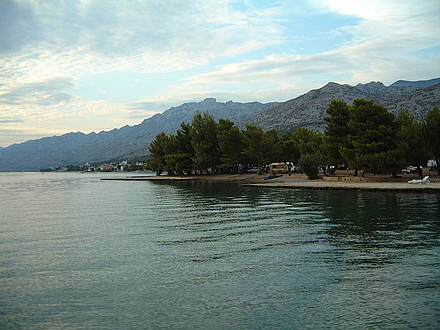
(368, 137)
(364, 136)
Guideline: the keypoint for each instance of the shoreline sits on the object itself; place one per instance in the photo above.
(296, 182)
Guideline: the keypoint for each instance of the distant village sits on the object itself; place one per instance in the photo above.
(123, 166)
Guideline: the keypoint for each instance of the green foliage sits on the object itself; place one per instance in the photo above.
(307, 140)
(289, 148)
(254, 140)
(271, 147)
(309, 164)
(433, 133)
(302, 142)
(180, 151)
(337, 131)
(371, 144)
(411, 143)
(158, 151)
(204, 142)
(230, 145)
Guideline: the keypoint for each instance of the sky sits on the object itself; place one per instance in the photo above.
(87, 65)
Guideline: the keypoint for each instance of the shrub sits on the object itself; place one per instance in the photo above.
(309, 164)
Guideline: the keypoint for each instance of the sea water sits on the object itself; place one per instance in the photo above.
(80, 253)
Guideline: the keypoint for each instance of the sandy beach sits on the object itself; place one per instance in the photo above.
(299, 181)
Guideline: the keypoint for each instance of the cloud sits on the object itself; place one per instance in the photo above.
(385, 45)
(379, 10)
(141, 36)
(47, 47)
(10, 120)
(226, 49)
(44, 93)
(18, 26)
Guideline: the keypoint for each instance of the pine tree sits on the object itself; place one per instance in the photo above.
(230, 145)
(158, 150)
(309, 141)
(204, 142)
(254, 140)
(336, 132)
(372, 139)
(289, 148)
(411, 144)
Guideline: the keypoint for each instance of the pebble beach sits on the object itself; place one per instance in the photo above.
(299, 181)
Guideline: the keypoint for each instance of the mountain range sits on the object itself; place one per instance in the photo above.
(307, 110)
(127, 142)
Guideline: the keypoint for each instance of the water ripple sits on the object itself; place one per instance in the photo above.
(80, 253)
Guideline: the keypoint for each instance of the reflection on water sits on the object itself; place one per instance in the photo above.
(80, 253)
(216, 212)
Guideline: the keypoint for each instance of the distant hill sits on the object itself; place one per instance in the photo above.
(418, 84)
(309, 109)
(122, 143)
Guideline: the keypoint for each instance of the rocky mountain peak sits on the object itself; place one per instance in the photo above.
(331, 85)
(210, 100)
(372, 87)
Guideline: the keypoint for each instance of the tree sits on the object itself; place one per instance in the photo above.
(204, 142)
(179, 152)
(433, 134)
(309, 164)
(271, 147)
(185, 148)
(301, 142)
(308, 141)
(337, 131)
(411, 144)
(254, 141)
(158, 151)
(372, 140)
(170, 152)
(230, 145)
(289, 148)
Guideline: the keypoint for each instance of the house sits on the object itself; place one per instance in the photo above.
(106, 168)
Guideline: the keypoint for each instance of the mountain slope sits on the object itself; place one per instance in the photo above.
(309, 110)
(418, 102)
(126, 142)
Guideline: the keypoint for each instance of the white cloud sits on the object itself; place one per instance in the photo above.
(141, 36)
(38, 93)
(47, 47)
(379, 10)
(384, 46)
